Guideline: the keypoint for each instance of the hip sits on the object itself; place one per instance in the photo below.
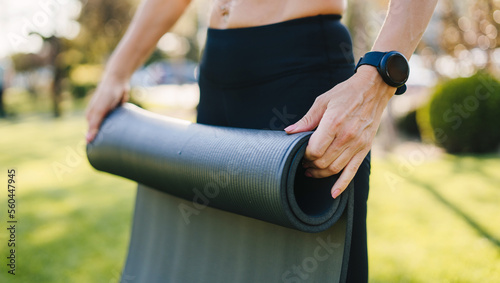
(247, 56)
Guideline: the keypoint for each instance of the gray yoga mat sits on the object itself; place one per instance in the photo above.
(219, 204)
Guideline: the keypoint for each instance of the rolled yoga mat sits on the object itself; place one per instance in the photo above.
(238, 207)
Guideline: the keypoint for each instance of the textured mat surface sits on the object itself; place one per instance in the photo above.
(220, 247)
(250, 173)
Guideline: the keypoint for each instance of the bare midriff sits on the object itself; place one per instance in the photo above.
(227, 14)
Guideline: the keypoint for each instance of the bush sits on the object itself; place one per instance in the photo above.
(408, 125)
(463, 115)
(80, 91)
(84, 78)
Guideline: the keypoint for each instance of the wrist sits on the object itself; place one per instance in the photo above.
(115, 74)
(392, 67)
(118, 69)
(372, 78)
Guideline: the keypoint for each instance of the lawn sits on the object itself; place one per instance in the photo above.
(430, 219)
(436, 221)
(73, 222)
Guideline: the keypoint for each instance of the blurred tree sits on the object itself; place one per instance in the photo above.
(60, 70)
(25, 62)
(49, 56)
(28, 63)
(468, 25)
(359, 19)
(102, 24)
(2, 85)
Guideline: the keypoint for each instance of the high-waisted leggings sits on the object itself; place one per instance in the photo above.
(267, 77)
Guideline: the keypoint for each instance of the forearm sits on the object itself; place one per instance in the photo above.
(152, 19)
(404, 25)
(402, 30)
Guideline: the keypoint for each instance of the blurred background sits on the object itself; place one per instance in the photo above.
(434, 207)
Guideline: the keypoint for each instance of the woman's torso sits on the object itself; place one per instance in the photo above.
(246, 13)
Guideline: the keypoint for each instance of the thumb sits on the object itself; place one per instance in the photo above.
(94, 119)
(310, 121)
(92, 131)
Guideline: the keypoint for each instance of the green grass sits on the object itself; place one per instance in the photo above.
(73, 222)
(434, 221)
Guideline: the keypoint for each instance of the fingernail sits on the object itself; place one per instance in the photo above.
(308, 174)
(336, 193)
(88, 137)
(290, 128)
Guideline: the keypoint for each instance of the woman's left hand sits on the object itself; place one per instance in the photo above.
(347, 118)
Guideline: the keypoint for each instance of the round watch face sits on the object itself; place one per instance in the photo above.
(397, 68)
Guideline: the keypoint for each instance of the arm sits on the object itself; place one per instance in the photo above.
(348, 116)
(152, 19)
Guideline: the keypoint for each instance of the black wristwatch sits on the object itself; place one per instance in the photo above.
(392, 66)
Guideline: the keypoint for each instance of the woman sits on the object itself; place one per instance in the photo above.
(289, 59)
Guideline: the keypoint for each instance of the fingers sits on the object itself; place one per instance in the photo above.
(347, 118)
(94, 118)
(348, 174)
(104, 100)
(125, 98)
(333, 153)
(96, 111)
(323, 137)
(311, 119)
(331, 168)
(333, 149)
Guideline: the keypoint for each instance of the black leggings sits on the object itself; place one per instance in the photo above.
(267, 77)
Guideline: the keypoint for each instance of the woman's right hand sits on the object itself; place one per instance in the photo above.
(110, 93)
(151, 21)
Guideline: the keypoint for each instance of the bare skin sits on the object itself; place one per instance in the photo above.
(245, 13)
(346, 117)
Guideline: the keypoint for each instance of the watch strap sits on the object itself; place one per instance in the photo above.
(400, 90)
(373, 58)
